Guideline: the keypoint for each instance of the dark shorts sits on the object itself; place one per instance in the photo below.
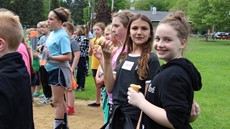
(56, 78)
(35, 81)
(94, 72)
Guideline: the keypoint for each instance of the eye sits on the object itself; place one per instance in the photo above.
(116, 25)
(134, 28)
(167, 40)
(157, 39)
(144, 28)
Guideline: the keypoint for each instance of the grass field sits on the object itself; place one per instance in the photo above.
(213, 61)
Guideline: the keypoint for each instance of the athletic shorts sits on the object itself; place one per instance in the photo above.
(94, 72)
(56, 78)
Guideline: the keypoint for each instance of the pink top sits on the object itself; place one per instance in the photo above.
(25, 56)
(114, 58)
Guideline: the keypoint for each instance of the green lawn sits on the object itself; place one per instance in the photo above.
(213, 61)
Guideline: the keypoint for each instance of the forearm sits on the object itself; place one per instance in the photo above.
(101, 61)
(75, 60)
(62, 58)
(108, 76)
(74, 64)
(90, 51)
(157, 114)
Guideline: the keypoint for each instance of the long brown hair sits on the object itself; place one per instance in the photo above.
(146, 48)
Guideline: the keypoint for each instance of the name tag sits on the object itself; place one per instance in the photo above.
(127, 65)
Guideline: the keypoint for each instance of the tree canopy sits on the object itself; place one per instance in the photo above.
(204, 14)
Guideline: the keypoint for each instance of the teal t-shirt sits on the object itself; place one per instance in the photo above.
(58, 43)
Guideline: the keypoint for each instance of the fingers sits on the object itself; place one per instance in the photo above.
(107, 46)
(197, 109)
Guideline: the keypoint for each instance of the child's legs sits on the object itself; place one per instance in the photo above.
(98, 89)
(58, 101)
(71, 97)
(98, 94)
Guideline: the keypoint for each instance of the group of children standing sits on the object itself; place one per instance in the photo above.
(124, 57)
(166, 97)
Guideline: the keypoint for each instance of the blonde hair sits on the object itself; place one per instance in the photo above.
(124, 17)
(69, 26)
(80, 30)
(108, 27)
(179, 22)
(10, 28)
(29, 30)
(44, 24)
(101, 25)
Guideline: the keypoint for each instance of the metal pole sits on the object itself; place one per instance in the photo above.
(112, 6)
(92, 15)
(49, 5)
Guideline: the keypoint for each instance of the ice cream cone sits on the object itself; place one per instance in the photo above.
(101, 40)
(135, 87)
(96, 46)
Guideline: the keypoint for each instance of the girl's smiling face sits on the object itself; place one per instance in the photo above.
(139, 32)
(167, 44)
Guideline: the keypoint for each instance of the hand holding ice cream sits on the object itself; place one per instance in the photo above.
(134, 96)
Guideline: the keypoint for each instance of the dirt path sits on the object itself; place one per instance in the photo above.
(85, 117)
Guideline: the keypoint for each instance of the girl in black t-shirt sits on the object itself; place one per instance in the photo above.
(133, 68)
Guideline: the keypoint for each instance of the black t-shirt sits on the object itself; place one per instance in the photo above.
(126, 74)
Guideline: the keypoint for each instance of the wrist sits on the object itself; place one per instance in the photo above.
(141, 104)
(49, 57)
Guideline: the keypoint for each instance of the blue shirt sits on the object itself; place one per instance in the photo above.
(58, 43)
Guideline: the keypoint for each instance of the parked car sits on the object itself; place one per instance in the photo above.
(222, 35)
(217, 35)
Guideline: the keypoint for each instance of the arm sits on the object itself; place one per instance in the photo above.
(98, 54)
(99, 78)
(109, 79)
(62, 58)
(90, 48)
(108, 76)
(155, 113)
(76, 59)
(195, 112)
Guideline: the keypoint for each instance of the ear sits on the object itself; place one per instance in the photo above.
(183, 43)
(2, 44)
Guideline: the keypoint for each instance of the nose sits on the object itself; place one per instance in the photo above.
(113, 30)
(139, 31)
(160, 44)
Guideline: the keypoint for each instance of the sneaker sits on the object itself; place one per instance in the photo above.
(44, 101)
(71, 110)
(42, 96)
(36, 94)
(94, 104)
(79, 89)
(87, 74)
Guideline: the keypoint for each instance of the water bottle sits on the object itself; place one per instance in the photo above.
(44, 56)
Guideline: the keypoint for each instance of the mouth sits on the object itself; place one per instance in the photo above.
(160, 51)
